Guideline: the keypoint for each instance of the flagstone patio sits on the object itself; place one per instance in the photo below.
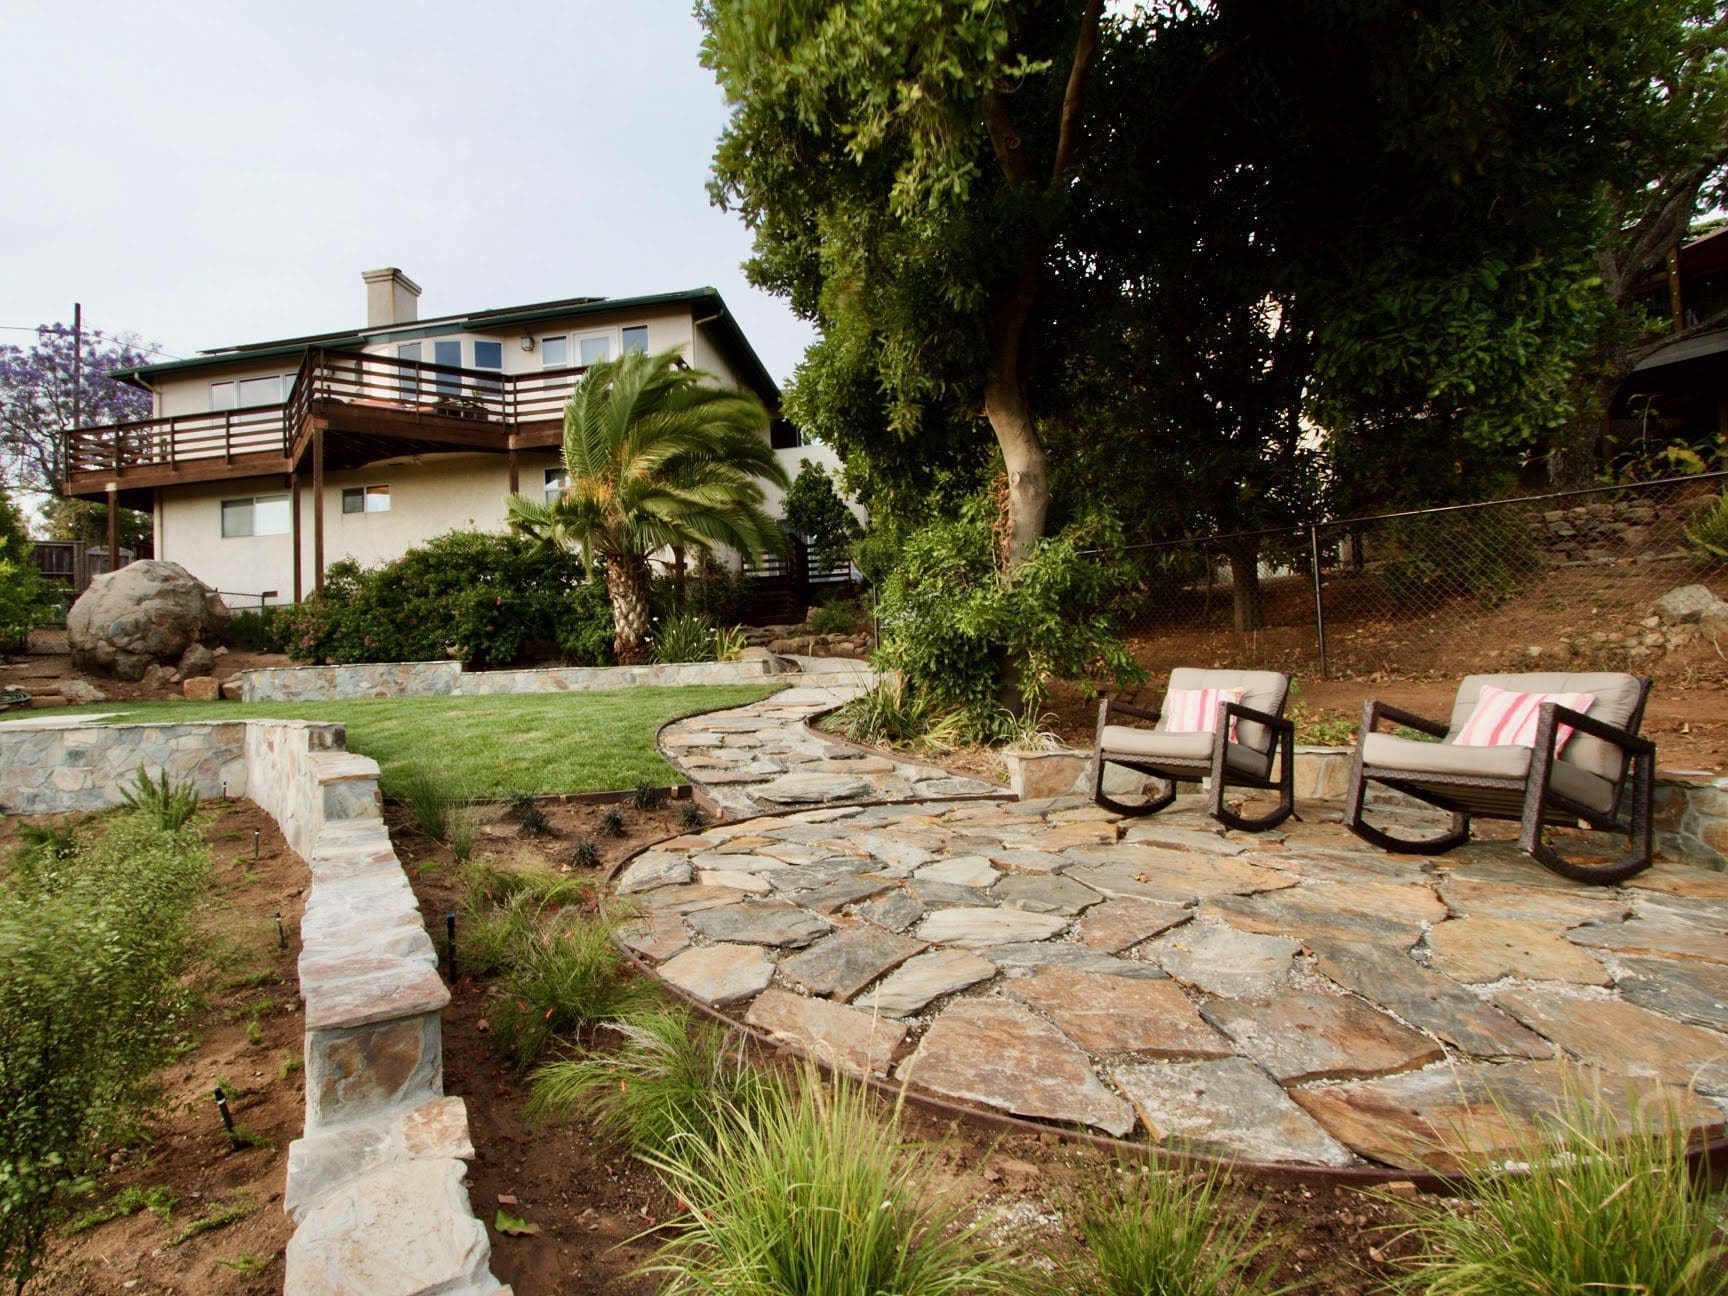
(1292, 997)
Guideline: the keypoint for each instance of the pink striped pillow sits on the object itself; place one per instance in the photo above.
(1502, 718)
(1196, 710)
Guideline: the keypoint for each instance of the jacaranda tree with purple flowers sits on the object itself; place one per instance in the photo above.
(36, 390)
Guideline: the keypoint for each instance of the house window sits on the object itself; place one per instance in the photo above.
(593, 350)
(555, 352)
(262, 515)
(365, 499)
(250, 392)
(221, 396)
(556, 480)
(410, 352)
(636, 340)
(450, 354)
(490, 355)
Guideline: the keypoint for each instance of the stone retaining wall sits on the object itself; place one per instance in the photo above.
(447, 678)
(375, 1183)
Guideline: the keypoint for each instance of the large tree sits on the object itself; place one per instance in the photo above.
(38, 386)
(656, 457)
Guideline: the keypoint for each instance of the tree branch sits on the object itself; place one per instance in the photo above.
(1074, 94)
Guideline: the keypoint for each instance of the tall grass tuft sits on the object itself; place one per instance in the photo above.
(1603, 1207)
(428, 799)
(169, 803)
(1154, 1232)
(565, 973)
(817, 1194)
(501, 909)
(687, 637)
(674, 1078)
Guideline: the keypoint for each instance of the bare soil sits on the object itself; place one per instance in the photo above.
(247, 1038)
(40, 674)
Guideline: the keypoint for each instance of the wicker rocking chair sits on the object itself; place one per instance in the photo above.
(1242, 760)
(1545, 784)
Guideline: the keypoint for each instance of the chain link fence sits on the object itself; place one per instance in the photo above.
(1561, 581)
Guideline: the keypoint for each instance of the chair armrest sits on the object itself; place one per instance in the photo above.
(1625, 740)
(1374, 711)
(1276, 723)
(1110, 707)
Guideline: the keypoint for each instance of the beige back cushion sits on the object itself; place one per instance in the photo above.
(1616, 696)
(1261, 690)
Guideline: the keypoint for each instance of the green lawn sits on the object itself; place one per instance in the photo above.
(488, 746)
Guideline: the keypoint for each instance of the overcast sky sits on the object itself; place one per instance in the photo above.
(206, 174)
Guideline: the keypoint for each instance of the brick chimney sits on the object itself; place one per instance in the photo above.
(391, 297)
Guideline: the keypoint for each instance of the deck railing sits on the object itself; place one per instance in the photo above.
(342, 377)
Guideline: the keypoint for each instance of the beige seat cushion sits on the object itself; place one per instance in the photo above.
(1153, 745)
(1261, 691)
(1382, 752)
(1616, 696)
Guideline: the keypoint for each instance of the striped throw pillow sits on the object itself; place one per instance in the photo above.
(1502, 718)
(1196, 710)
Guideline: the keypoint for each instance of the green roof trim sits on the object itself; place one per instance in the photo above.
(718, 318)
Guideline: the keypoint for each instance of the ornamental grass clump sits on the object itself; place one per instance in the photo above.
(1599, 1204)
(674, 1078)
(95, 944)
(567, 972)
(818, 1193)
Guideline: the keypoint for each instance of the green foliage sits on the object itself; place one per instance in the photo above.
(94, 947)
(24, 596)
(568, 972)
(647, 796)
(674, 1078)
(460, 834)
(490, 600)
(261, 630)
(691, 818)
(1708, 529)
(529, 816)
(610, 823)
(686, 637)
(158, 1199)
(170, 804)
(714, 589)
(1157, 1232)
(729, 643)
(887, 714)
(428, 798)
(1483, 553)
(220, 1215)
(947, 614)
(817, 1194)
(842, 616)
(585, 854)
(814, 510)
(1601, 1207)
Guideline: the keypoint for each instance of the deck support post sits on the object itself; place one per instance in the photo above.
(515, 477)
(294, 527)
(317, 508)
(113, 526)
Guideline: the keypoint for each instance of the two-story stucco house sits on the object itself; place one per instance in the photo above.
(265, 462)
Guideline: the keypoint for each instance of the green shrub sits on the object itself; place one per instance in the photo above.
(488, 599)
(686, 637)
(94, 946)
(713, 590)
(257, 630)
(647, 796)
(948, 617)
(814, 510)
(569, 972)
(25, 597)
(169, 804)
(817, 1194)
(1709, 528)
(842, 616)
(885, 714)
(1154, 1232)
(1482, 553)
(1601, 1208)
(673, 1079)
(429, 800)
(610, 822)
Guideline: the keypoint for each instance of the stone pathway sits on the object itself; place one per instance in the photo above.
(759, 758)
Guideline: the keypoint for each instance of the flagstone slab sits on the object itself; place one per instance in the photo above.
(924, 979)
(1226, 1108)
(859, 1043)
(653, 869)
(896, 852)
(841, 965)
(657, 935)
(973, 928)
(802, 788)
(720, 974)
(749, 883)
(743, 861)
(1154, 832)
(1470, 898)
(936, 895)
(1449, 1118)
(1301, 1036)
(1224, 961)
(834, 896)
(963, 870)
(1110, 1015)
(767, 922)
(1306, 911)
(1624, 1039)
(1426, 1000)
(1152, 874)
(1672, 878)
(1044, 894)
(897, 910)
(1119, 923)
(1687, 991)
(686, 899)
(1000, 1054)
(1020, 957)
(1659, 932)
(1479, 950)
(1023, 859)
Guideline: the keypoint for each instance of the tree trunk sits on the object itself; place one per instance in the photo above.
(1010, 416)
(628, 586)
(1245, 588)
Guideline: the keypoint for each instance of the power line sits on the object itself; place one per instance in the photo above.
(136, 346)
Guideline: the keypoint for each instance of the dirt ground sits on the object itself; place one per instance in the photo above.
(247, 1039)
(598, 1210)
(39, 673)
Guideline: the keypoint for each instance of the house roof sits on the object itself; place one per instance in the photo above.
(717, 317)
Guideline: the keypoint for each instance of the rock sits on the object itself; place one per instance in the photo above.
(977, 927)
(1226, 1108)
(843, 964)
(1224, 961)
(201, 688)
(1115, 925)
(861, 1043)
(1044, 894)
(81, 692)
(896, 912)
(801, 789)
(965, 870)
(998, 1053)
(659, 936)
(154, 677)
(768, 922)
(1476, 950)
(147, 612)
(720, 974)
(1021, 955)
(233, 689)
(197, 660)
(1301, 1036)
(924, 978)
(654, 869)
(1624, 1039)
(1686, 603)
(1691, 992)
(1110, 1014)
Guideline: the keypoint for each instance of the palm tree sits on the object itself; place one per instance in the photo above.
(656, 458)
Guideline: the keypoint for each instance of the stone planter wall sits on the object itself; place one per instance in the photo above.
(447, 678)
(375, 1183)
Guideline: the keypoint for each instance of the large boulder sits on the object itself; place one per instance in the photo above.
(146, 613)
